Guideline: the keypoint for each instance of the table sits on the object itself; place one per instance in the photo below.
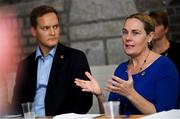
(19, 116)
(47, 117)
(100, 117)
(122, 117)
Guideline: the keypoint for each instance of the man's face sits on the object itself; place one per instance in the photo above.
(160, 32)
(47, 31)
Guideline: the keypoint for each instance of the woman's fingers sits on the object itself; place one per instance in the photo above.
(90, 76)
(130, 78)
(112, 88)
(117, 79)
(80, 83)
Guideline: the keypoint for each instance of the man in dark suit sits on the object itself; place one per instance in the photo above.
(46, 77)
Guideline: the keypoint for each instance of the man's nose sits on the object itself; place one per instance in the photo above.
(52, 31)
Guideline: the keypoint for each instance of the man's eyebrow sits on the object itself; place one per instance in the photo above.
(136, 30)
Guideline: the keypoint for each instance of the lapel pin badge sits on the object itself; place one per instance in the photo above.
(62, 56)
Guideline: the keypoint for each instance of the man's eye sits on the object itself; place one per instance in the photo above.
(45, 28)
(55, 26)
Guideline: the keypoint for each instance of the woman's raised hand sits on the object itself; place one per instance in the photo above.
(89, 86)
(118, 85)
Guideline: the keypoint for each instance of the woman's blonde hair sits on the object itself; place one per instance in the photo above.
(149, 23)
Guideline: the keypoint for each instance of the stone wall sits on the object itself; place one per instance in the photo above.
(93, 26)
(173, 10)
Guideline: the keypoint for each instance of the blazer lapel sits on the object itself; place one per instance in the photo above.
(33, 76)
(57, 66)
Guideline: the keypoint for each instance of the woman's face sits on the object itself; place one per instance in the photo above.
(135, 38)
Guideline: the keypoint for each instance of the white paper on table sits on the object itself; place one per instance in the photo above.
(10, 116)
(76, 116)
(171, 114)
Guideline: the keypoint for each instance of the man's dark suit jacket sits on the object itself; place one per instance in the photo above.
(62, 95)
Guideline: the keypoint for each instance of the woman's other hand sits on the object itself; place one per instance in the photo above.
(120, 86)
(89, 86)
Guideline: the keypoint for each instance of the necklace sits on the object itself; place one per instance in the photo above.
(142, 65)
(145, 60)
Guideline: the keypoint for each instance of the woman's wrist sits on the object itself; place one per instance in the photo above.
(132, 95)
(100, 93)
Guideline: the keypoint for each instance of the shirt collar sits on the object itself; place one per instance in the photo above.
(51, 52)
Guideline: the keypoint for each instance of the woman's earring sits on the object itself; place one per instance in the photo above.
(150, 45)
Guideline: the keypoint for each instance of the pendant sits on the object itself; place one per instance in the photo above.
(143, 73)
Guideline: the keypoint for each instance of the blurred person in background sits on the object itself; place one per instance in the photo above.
(4, 104)
(10, 46)
(148, 82)
(161, 43)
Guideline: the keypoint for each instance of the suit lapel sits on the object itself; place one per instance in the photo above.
(57, 66)
(33, 76)
(56, 89)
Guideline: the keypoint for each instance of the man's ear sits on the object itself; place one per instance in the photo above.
(33, 31)
(166, 30)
